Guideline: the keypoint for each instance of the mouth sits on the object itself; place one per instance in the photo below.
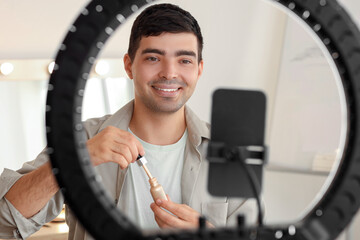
(166, 89)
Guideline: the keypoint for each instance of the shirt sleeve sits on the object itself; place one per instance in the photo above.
(12, 223)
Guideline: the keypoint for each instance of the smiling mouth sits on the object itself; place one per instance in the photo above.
(166, 89)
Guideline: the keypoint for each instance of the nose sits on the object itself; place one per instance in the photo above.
(168, 70)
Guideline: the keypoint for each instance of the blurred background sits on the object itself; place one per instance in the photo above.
(248, 44)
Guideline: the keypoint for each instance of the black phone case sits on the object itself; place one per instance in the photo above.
(238, 119)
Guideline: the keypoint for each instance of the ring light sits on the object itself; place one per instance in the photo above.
(82, 187)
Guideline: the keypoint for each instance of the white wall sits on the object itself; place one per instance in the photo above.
(22, 119)
(232, 54)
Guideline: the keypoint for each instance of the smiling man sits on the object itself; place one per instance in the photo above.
(164, 60)
(166, 69)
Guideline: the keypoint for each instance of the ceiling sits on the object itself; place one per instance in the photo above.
(34, 29)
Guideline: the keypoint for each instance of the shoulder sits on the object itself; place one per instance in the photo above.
(119, 119)
(93, 125)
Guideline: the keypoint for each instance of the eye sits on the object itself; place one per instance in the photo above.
(186, 61)
(152, 59)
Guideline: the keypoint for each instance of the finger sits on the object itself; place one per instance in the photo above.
(161, 223)
(123, 150)
(122, 137)
(137, 149)
(168, 197)
(159, 201)
(209, 224)
(119, 159)
(108, 155)
(165, 217)
(130, 140)
(183, 211)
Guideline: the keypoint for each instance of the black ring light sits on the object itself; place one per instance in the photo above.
(81, 186)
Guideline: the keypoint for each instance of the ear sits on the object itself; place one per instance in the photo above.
(127, 65)
(200, 68)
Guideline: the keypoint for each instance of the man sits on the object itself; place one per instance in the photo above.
(164, 60)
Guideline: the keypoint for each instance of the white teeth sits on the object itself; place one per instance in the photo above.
(166, 89)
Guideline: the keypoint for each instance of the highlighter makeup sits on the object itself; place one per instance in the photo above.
(156, 190)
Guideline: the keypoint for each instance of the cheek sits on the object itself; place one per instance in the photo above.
(192, 79)
(191, 72)
(141, 80)
(145, 73)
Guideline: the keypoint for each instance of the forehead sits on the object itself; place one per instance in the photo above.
(170, 42)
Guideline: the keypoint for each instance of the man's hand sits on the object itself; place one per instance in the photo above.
(182, 216)
(114, 145)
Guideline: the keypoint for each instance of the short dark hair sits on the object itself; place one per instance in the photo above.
(161, 18)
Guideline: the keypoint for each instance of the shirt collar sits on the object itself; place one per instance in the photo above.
(197, 129)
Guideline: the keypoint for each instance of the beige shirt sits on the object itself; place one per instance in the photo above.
(221, 211)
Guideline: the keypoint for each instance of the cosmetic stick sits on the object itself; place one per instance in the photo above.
(156, 190)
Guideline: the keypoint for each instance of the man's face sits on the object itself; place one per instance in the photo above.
(165, 71)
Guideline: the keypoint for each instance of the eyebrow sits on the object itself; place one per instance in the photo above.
(186, 53)
(161, 52)
(153, 50)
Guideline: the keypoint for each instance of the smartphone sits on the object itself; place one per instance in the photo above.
(237, 120)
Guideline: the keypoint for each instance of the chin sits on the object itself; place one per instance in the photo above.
(166, 108)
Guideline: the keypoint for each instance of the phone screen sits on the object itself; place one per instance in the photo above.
(237, 119)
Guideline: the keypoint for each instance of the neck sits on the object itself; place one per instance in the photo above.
(157, 128)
